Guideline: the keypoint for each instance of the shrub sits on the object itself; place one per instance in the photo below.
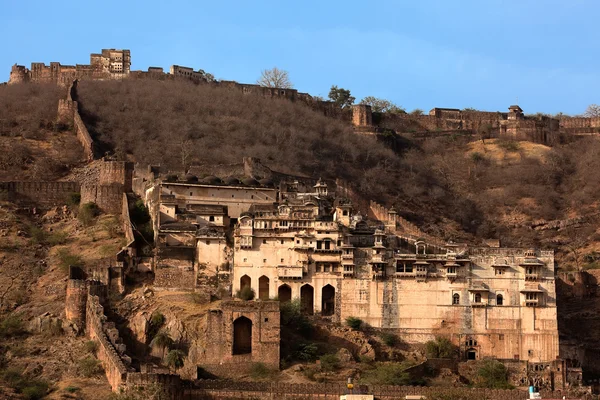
(260, 371)
(111, 227)
(354, 323)
(38, 235)
(11, 325)
(245, 293)
(306, 352)
(89, 366)
(389, 339)
(175, 359)
(74, 200)
(87, 213)
(72, 389)
(493, 374)
(329, 362)
(510, 145)
(57, 238)
(477, 157)
(292, 318)
(67, 259)
(440, 348)
(197, 298)
(387, 374)
(30, 387)
(91, 346)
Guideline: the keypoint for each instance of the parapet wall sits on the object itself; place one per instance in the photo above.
(126, 220)
(109, 198)
(114, 367)
(39, 193)
(333, 391)
(80, 129)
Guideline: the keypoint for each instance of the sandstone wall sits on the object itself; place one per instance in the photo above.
(107, 197)
(126, 220)
(332, 391)
(75, 302)
(114, 367)
(40, 193)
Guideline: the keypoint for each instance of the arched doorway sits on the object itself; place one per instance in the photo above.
(307, 295)
(328, 300)
(263, 288)
(471, 354)
(284, 293)
(245, 281)
(242, 336)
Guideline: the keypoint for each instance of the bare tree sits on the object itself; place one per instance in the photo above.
(592, 111)
(275, 78)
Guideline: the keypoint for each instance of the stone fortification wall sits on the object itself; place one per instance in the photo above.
(80, 129)
(39, 193)
(333, 391)
(75, 302)
(107, 197)
(171, 383)
(126, 220)
(580, 122)
(68, 113)
(219, 336)
(401, 226)
(114, 367)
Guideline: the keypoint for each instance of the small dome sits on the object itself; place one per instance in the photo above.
(191, 178)
(266, 182)
(250, 181)
(211, 180)
(231, 181)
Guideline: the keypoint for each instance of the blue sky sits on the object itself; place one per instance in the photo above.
(419, 54)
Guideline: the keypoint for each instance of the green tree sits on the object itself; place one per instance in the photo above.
(382, 105)
(417, 111)
(175, 359)
(440, 348)
(341, 97)
(493, 374)
(162, 340)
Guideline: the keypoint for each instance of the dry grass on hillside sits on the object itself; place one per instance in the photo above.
(178, 124)
(32, 146)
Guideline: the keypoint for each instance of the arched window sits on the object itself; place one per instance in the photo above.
(499, 300)
(477, 297)
(455, 298)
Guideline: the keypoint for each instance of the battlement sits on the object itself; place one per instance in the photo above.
(39, 193)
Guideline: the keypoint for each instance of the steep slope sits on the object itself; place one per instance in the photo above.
(32, 145)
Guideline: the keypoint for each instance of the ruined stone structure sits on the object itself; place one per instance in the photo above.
(239, 333)
(110, 64)
(303, 241)
(444, 121)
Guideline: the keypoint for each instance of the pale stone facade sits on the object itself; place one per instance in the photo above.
(309, 245)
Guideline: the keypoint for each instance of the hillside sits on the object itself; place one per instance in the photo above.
(452, 186)
(32, 145)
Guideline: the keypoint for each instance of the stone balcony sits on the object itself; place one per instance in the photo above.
(378, 258)
(532, 277)
(451, 275)
(290, 272)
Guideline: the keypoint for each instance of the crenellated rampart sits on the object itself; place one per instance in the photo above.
(39, 193)
(332, 391)
(114, 367)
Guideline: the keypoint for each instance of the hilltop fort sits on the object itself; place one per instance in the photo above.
(245, 241)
